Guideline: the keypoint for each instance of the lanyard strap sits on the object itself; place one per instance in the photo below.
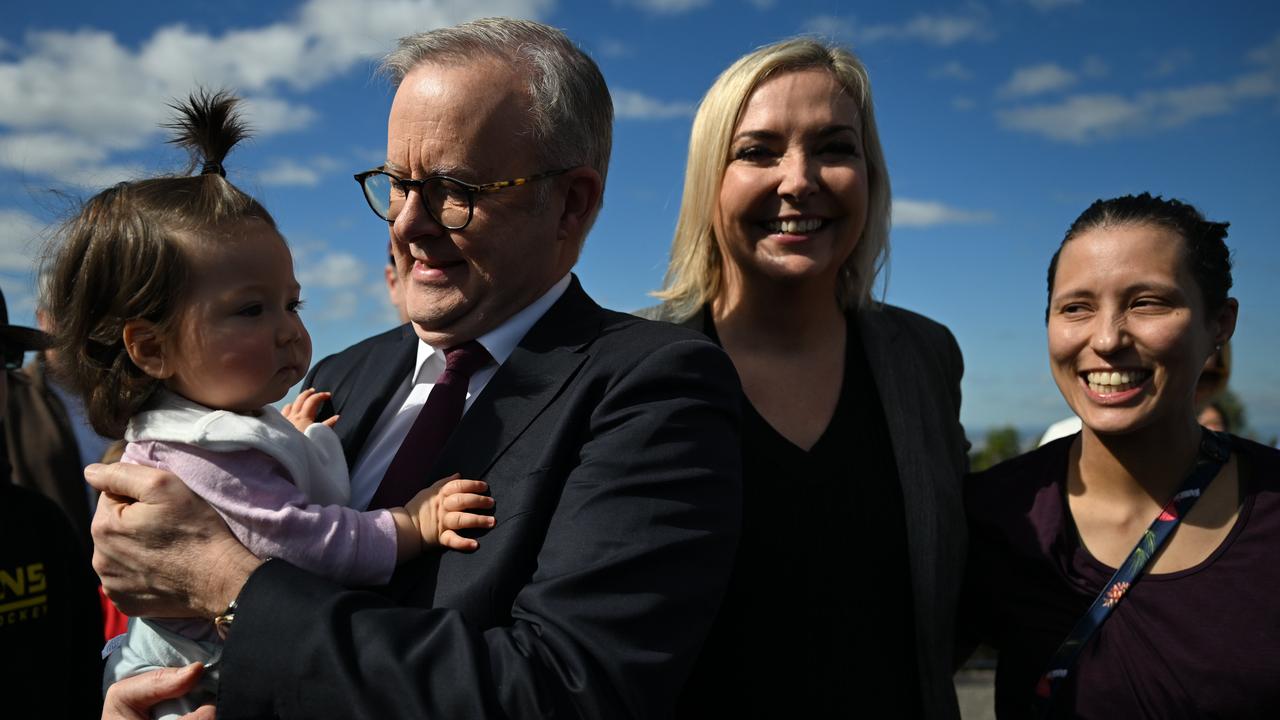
(1215, 449)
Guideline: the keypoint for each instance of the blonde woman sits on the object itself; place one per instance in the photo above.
(852, 406)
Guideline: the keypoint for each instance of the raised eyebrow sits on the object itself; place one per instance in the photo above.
(824, 132)
(837, 129)
(756, 135)
(1069, 295)
(1156, 287)
(404, 173)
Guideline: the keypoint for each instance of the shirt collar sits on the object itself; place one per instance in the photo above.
(500, 341)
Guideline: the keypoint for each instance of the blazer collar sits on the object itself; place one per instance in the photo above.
(544, 361)
(895, 373)
(371, 389)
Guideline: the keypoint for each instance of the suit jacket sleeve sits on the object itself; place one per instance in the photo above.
(634, 561)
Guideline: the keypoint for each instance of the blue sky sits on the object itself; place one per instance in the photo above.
(1001, 121)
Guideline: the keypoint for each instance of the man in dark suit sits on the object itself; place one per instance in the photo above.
(609, 443)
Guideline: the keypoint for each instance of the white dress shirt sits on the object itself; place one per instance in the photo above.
(402, 409)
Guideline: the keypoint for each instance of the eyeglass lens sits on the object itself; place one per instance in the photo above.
(447, 202)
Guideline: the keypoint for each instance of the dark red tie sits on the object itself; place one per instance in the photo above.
(408, 472)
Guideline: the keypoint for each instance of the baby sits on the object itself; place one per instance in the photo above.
(176, 319)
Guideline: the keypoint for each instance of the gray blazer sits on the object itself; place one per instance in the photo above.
(917, 367)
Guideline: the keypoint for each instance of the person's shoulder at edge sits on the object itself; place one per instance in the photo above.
(1263, 459)
(653, 324)
(1011, 487)
(35, 509)
(920, 325)
(648, 340)
(397, 334)
(661, 312)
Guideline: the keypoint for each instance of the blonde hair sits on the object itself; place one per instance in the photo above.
(695, 276)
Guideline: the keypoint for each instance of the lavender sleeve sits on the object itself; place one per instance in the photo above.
(272, 518)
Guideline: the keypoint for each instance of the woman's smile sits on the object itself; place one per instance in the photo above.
(793, 198)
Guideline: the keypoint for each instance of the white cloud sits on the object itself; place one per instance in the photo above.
(1036, 80)
(1077, 119)
(954, 70)
(941, 30)
(633, 105)
(71, 101)
(330, 270)
(963, 103)
(340, 305)
(929, 213)
(21, 239)
(763, 4)
(829, 26)
(289, 172)
(668, 7)
(936, 29)
(1090, 117)
(1086, 118)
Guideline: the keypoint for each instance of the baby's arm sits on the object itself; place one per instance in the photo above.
(434, 515)
(271, 517)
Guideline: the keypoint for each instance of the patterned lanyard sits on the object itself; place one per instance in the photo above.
(1215, 449)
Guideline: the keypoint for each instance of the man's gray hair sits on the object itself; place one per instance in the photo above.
(571, 113)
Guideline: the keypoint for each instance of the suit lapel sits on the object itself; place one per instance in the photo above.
(897, 372)
(896, 376)
(385, 367)
(535, 373)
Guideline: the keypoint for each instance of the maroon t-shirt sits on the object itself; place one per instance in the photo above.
(1200, 643)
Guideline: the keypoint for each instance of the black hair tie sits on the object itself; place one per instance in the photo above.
(213, 166)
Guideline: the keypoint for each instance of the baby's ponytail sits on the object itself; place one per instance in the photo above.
(124, 256)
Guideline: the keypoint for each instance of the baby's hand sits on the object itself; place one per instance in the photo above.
(440, 510)
(303, 409)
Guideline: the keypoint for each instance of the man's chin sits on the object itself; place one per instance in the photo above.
(443, 332)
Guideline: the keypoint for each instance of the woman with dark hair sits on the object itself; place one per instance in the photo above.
(851, 405)
(1128, 570)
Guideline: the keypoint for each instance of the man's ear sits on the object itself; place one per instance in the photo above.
(583, 194)
(146, 348)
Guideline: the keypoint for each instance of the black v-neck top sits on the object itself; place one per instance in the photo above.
(819, 619)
